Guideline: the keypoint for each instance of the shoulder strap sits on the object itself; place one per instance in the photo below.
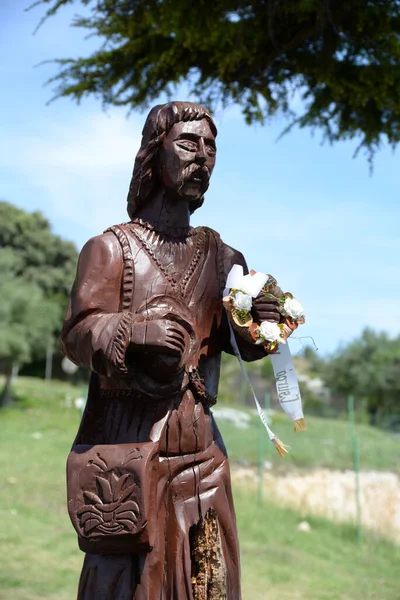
(220, 258)
(128, 275)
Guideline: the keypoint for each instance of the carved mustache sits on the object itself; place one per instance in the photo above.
(193, 171)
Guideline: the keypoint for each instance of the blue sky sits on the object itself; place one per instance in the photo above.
(308, 213)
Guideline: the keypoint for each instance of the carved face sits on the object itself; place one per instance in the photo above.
(187, 159)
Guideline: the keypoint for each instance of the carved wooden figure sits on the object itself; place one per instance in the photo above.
(149, 489)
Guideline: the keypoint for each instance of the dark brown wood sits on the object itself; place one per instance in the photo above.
(146, 317)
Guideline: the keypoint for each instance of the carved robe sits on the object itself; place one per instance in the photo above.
(128, 275)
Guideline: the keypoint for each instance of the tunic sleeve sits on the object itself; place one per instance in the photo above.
(95, 333)
(248, 351)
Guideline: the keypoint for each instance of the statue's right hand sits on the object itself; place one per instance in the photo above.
(160, 334)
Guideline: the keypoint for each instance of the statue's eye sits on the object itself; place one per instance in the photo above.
(211, 151)
(187, 145)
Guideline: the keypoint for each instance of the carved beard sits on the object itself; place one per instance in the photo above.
(192, 172)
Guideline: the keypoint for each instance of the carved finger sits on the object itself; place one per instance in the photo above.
(177, 341)
(263, 300)
(177, 333)
(269, 316)
(268, 311)
(173, 348)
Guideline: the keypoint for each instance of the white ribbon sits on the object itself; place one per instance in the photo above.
(250, 284)
(260, 411)
(287, 386)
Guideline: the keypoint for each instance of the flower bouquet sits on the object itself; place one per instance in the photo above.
(238, 301)
(292, 315)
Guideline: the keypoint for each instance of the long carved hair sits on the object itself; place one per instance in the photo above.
(158, 124)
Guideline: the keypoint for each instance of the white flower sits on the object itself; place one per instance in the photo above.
(292, 308)
(79, 403)
(270, 332)
(242, 301)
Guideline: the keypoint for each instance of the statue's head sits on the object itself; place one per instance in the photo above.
(177, 155)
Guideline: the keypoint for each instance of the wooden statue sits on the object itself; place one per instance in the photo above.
(149, 489)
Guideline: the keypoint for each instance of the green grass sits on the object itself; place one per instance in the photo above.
(40, 557)
(326, 443)
(281, 563)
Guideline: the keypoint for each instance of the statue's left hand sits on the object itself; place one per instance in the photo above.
(160, 335)
(266, 309)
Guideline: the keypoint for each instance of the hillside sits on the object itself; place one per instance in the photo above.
(40, 558)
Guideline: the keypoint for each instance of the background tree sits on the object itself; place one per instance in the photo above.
(315, 362)
(342, 59)
(40, 256)
(369, 368)
(27, 320)
(37, 269)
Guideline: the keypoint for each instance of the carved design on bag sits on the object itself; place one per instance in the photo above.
(113, 509)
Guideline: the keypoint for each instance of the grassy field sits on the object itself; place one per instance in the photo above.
(326, 443)
(40, 558)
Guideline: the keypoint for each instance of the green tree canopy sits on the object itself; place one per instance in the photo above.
(27, 318)
(39, 256)
(342, 59)
(369, 368)
(36, 273)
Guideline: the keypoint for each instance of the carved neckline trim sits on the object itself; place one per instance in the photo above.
(178, 284)
(167, 230)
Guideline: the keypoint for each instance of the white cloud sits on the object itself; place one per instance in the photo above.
(95, 141)
(82, 166)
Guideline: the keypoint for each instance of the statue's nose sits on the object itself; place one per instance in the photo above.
(201, 154)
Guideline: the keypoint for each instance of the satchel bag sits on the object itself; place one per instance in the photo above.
(112, 496)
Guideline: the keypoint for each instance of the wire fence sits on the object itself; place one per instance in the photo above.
(339, 468)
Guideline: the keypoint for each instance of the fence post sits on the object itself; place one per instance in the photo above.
(262, 443)
(356, 462)
(267, 407)
(260, 458)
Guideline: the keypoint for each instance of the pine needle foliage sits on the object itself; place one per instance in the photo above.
(339, 61)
